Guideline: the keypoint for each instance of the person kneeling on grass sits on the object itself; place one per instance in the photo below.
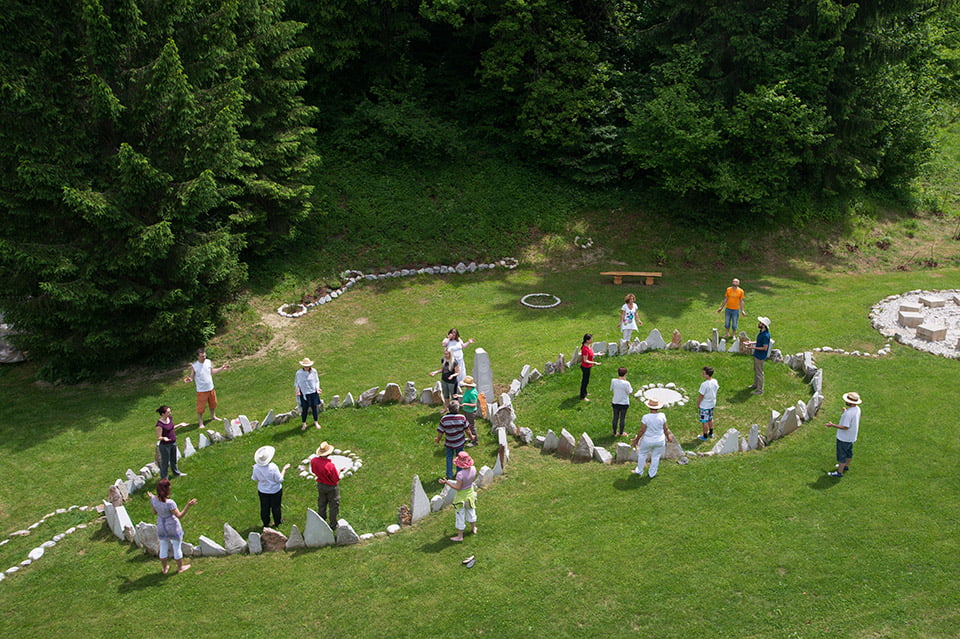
(465, 500)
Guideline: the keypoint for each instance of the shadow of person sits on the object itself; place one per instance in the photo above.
(631, 482)
(824, 482)
(146, 581)
(437, 546)
(570, 403)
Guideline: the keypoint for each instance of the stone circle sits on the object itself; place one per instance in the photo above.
(525, 300)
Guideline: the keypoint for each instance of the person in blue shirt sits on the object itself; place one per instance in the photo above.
(761, 351)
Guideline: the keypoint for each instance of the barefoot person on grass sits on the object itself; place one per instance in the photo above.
(587, 362)
(733, 302)
(203, 371)
(706, 402)
(465, 500)
(621, 390)
(652, 438)
(169, 530)
(167, 442)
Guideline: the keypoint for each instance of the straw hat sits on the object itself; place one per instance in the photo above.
(306, 362)
(264, 455)
(654, 403)
(463, 460)
(852, 398)
(468, 381)
(325, 450)
(764, 320)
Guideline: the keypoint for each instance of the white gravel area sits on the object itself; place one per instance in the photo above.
(885, 318)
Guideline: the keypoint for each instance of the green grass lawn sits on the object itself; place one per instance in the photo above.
(754, 545)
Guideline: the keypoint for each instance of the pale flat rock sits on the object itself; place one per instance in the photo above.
(550, 442)
(317, 532)
(813, 406)
(599, 347)
(802, 411)
(393, 529)
(420, 504)
(348, 401)
(210, 548)
(346, 535)
(295, 540)
(613, 349)
(525, 435)
(254, 547)
(625, 453)
(655, 340)
(674, 451)
(188, 449)
(436, 503)
(583, 450)
(525, 375)
(561, 364)
(816, 382)
(447, 495)
(232, 429)
(125, 530)
(204, 441)
(233, 543)
(110, 512)
(538, 441)
(753, 437)
(535, 376)
(272, 540)
(566, 445)
(36, 554)
(497, 467)
(409, 394)
(729, 443)
(268, 420)
(514, 387)
(602, 455)
(426, 397)
(773, 426)
(335, 402)
(789, 422)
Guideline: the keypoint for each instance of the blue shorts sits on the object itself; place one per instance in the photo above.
(731, 318)
(706, 415)
(844, 451)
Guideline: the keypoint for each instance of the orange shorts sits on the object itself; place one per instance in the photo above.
(206, 398)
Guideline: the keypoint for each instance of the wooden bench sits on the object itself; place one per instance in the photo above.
(619, 275)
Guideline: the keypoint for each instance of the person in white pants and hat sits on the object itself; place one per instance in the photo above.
(652, 438)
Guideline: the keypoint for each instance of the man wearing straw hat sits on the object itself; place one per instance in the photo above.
(328, 484)
(469, 403)
(846, 433)
(307, 384)
(761, 351)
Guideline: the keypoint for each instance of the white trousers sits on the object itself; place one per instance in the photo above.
(464, 515)
(655, 448)
(167, 544)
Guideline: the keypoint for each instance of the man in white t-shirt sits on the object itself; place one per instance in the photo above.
(201, 371)
(847, 431)
(706, 402)
(622, 390)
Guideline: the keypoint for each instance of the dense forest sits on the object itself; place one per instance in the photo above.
(152, 150)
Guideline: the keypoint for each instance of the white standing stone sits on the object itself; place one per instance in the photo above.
(802, 411)
(348, 401)
(655, 340)
(188, 449)
(447, 494)
(729, 443)
(146, 538)
(789, 422)
(483, 373)
(550, 442)
(393, 529)
(295, 540)
(204, 442)
(268, 420)
(253, 543)
(233, 543)
(409, 394)
(484, 477)
(419, 504)
(231, 429)
(345, 534)
(317, 532)
(566, 445)
(436, 503)
(813, 406)
(245, 425)
(583, 451)
(210, 548)
(602, 455)
(110, 512)
(753, 437)
(497, 467)
(525, 375)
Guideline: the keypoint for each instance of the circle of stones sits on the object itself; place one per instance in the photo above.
(945, 314)
(555, 302)
(583, 242)
(300, 312)
(681, 395)
(346, 461)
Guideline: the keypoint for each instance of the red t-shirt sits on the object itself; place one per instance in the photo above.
(325, 470)
(586, 353)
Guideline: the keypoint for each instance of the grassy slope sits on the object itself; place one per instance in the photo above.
(752, 545)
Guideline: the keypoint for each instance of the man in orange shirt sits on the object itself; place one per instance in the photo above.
(733, 301)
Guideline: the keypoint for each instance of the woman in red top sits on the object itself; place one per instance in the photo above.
(586, 363)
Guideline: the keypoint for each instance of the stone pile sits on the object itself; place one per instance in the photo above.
(926, 320)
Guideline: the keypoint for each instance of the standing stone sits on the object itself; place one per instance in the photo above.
(231, 429)
(566, 445)
(550, 442)
(599, 347)
(813, 406)
(514, 387)
(655, 340)
(613, 349)
(346, 535)
(602, 455)
(447, 495)
(146, 538)
(392, 393)
(268, 420)
(367, 397)
(816, 382)
(335, 402)
(436, 503)
(317, 532)
(561, 363)
(524, 375)
(497, 467)
(525, 435)
(114, 495)
(483, 372)
(426, 397)
(295, 541)
(210, 548)
(188, 449)
(204, 442)
(110, 513)
(418, 498)
(714, 341)
(623, 346)
(272, 540)
(753, 438)
(437, 391)
(674, 451)
(675, 341)
(789, 422)
(233, 543)
(245, 425)
(729, 443)
(348, 402)
(583, 452)
(254, 547)
(548, 368)
(484, 477)
(802, 411)
(772, 426)
(576, 357)
(504, 452)
(409, 394)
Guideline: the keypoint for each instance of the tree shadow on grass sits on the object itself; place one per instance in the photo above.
(824, 482)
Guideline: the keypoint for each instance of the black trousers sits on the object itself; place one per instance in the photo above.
(584, 381)
(619, 415)
(268, 504)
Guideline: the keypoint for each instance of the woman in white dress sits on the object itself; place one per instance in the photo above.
(628, 316)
